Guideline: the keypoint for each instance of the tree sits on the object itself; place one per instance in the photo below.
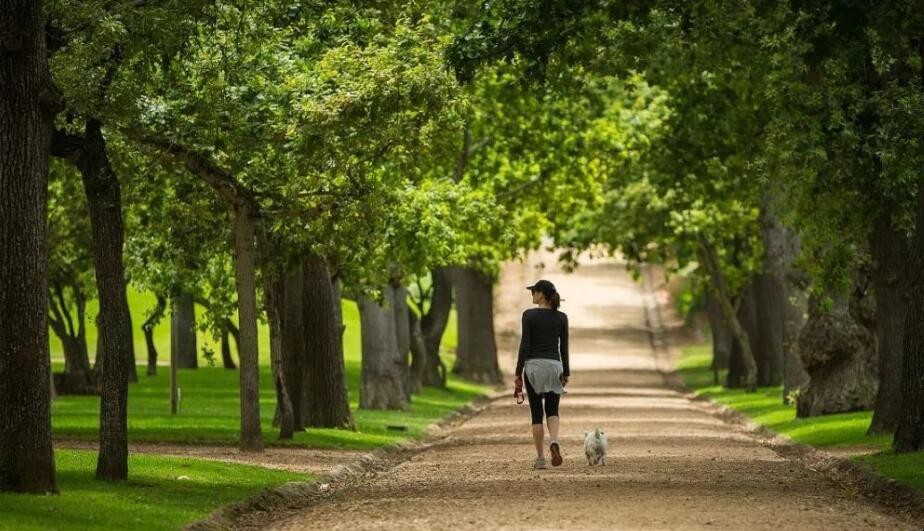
(909, 435)
(847, 109)
(245, 209)
(70, 279)
(90, 44)
(327, 403)
(153, 318)
(29, 103)
(384, 367)
(298, 150)
(183, 330)
(431, 303)
(88, 152)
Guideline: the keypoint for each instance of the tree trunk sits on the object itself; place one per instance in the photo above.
(891, 253)
(476, 354)
(148, 328)
(747, 317)
(433, 325)
(722, 339)
(403, 332)
(794, 375)
(418, 353)
(274, 293)
(26, 454)
(838, 350)
(104, 200)
(230, 329)
(174, 384)
(774, 307)
(909, 434)
(710, 259)
(183, 331)
(246, 284)
(781, 249)
(293, 343)
(78, 377)
(769, 299)
(328, 404)
(226, 360)
(99, 347)
(383, 366)
(337, 305)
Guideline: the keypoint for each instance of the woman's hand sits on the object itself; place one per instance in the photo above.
(563, 379)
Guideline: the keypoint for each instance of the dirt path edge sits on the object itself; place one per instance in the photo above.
(276, 503)
(853, 478)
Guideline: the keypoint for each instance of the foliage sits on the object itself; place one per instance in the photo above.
(817, 106)
(847, 126)
(69, 240)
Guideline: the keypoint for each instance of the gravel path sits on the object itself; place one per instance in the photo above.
(671, 464)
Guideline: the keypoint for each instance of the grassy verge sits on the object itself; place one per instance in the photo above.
(154, 497)
(210, 407)
(766, 407)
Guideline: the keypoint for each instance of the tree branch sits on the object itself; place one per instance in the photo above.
(59, 291)
(66, 145)
(464, 155)
(544, 174)
(55, 319)
(200, 165)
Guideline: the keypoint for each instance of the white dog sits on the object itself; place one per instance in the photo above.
(595, 447)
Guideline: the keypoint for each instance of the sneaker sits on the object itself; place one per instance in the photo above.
(540, 463)
(556, 454)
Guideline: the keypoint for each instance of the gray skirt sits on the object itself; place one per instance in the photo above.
(544, 375)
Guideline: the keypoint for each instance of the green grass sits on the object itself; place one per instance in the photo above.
(766, 407)
(210, 412)
(152, 499)
(210, 406)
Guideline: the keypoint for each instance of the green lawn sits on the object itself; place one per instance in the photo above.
(154, 497)
(210, 407)
(141, 303)
(830, 431)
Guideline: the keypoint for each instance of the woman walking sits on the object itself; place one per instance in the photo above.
(543, 359)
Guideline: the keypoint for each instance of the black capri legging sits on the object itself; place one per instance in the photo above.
(535, 402)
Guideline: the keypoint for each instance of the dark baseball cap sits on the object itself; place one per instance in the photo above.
(543, 285)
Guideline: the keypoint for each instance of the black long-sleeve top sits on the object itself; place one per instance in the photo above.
(545, 335)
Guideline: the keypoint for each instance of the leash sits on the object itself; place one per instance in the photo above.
(518, 390)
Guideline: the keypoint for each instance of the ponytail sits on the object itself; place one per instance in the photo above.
(555, 300)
